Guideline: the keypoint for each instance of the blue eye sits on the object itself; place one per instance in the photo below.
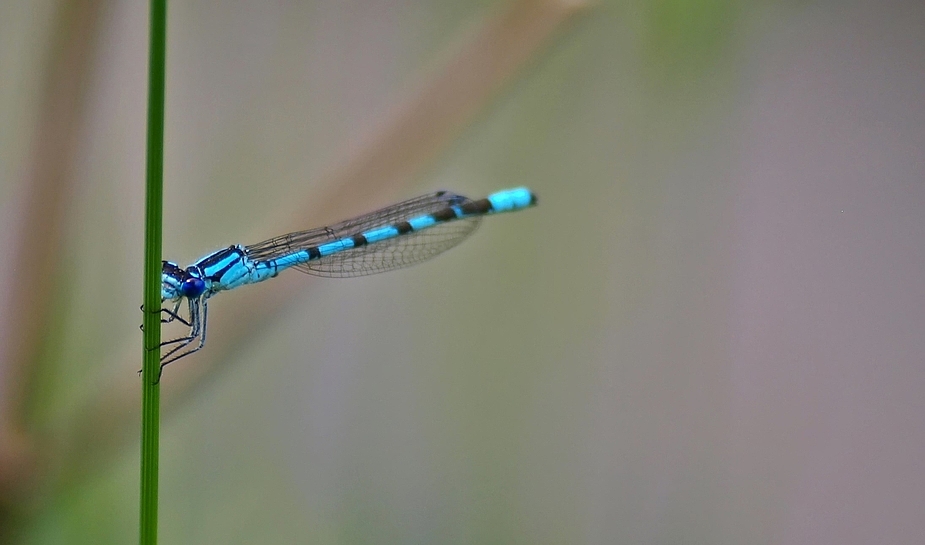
(192, 287)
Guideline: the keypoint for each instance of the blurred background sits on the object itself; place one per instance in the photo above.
(709, 331)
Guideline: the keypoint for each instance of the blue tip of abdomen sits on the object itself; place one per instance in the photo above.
(512, 199)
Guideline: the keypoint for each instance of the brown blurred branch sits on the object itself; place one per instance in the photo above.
(413, 136)
(43, 195)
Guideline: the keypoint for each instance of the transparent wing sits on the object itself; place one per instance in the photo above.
(386, 255)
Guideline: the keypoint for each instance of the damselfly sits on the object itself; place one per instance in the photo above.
(396, 236)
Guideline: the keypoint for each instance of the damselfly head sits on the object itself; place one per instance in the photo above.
(172, 276)
(177, 282)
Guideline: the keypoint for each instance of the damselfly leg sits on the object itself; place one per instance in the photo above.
(172, 314)
(198, 310)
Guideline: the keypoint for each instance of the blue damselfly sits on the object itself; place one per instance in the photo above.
(396, 236)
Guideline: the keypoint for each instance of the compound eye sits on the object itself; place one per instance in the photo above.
(192, 287)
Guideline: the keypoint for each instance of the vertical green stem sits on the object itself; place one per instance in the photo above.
(150, 398)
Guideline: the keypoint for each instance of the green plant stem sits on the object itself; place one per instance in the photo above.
(150, 398)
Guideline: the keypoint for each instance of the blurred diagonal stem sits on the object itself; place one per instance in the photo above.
(150, 398)
(412, 137)
(42, 196)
